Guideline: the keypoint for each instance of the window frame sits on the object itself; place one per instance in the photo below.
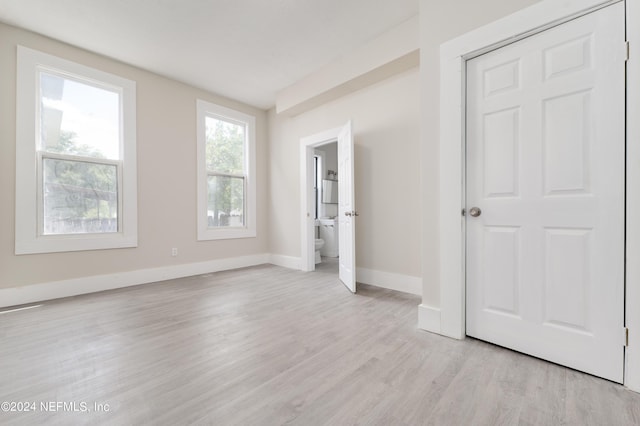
(29, 225)
(204, 232)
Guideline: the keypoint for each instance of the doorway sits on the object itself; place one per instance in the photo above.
(326, 207)
(545, 177)
(337, 209)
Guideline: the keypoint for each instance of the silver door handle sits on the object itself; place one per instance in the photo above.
(475, 211)
(347, 213)
(352, 213)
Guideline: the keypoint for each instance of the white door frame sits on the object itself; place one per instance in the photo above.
(307, 221)
(453, 55)
(632, 368)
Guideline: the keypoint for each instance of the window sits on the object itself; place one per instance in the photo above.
(75, 157)
(226, 173)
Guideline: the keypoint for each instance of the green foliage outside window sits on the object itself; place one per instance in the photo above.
(79, 196)
(225, 151)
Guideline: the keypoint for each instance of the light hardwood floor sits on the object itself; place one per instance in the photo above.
(269, 346)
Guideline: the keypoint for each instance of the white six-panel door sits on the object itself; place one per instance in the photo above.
(545, 165)
(346, 209)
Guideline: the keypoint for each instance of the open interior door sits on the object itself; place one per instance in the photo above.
(346, 209)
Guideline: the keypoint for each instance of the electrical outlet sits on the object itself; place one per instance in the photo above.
(174, 252)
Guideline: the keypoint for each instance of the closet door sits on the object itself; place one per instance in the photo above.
(545, 194)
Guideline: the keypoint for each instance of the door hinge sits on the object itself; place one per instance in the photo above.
(627, 51)
(625, 337)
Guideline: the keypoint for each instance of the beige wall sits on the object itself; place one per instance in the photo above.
(441, 21)
(386, 130)
(396, 134)
(166, 137)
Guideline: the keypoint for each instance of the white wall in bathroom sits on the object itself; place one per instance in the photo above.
(330, 163)
(331, 157)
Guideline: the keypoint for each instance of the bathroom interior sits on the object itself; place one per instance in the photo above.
(326, 206)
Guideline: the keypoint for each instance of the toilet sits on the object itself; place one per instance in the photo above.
(319, 244)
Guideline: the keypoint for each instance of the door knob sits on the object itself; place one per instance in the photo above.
(347, 213)
(475, 211)
(355, 213)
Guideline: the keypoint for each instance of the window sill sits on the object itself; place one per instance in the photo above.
(225, 234)
(67, 243)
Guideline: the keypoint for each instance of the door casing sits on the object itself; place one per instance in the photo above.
(453, 55)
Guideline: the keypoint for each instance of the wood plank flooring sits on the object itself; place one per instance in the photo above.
(270, 346)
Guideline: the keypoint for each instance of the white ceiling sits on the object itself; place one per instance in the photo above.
(246, 50)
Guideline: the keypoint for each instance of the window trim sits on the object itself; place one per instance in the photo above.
(204, 232)
(29, 237)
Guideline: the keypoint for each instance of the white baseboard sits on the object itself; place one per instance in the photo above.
(65, 288)
(429, 318)
(392, 281)
(73, 287)
(399, 282)
(285, 261)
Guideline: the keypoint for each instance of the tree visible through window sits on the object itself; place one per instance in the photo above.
(78, 196)
(226, 176)
(226, 172)
(78, 154)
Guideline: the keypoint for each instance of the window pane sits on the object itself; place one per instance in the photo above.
(78, 118)
(225, 146)
(79, 197)
(226, 201)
